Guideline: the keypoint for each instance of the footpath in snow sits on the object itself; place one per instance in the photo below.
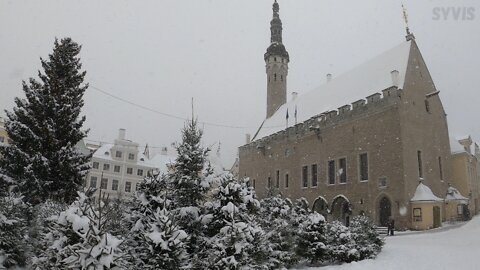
(457, 248)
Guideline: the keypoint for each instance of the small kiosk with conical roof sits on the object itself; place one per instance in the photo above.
(426, 209)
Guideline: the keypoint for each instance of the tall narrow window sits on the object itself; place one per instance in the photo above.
(104, 183)
(114, 184)
(343, 170)
(275, 76)
(420, 164)
(364, 167)
(269, 182)
(286, 180)
(253, 183)
(93, 182)
(128, 186)
(331, 172)
(305, 176)
(277, 180)
(440, 167)
(314, 175)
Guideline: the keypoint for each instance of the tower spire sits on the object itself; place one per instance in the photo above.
(409, 35)
(276, 60)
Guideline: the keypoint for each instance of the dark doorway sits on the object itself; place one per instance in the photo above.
(385, 211)
(436, 217)
(320, 206)
(341, 210)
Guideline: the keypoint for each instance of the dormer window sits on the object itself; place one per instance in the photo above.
(142, 159)
(107, 153)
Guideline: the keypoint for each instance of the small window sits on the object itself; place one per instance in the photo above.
(363, 167)
(460, 209)
(131, 156)
(420, 164)
(382, 182)
(286, 180)
(95, 165)
(114, 184)
(253, 183)
(118, 154)
(129, 170)
(93, 182)
(427, 106)
(128, 186)
(331, 172)
(305, 176)
(140, 172)
(314, 175)
(417, 214)
(277, 180)
(106, 167)
(342, 171)
(116, 168)
(104, 183)
(440, 168)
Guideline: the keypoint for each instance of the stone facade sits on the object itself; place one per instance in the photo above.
(366, 158)
(3, 133)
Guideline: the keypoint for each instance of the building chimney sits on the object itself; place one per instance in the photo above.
(247, 138)
(329, 77)
(294, 95)
(121, 134)
(395, 78)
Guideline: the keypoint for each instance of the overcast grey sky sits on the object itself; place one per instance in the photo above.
(162, 53)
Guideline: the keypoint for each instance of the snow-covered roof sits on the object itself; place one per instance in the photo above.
(424, 194)
(454, 195)
(105, 153)
(360, 82)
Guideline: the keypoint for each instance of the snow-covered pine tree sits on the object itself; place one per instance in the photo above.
(188, 179)
(44, 128)
(76, 239)
(151, 221)
(340, 244)
(312, 242)
(279, 220)
(232, 238)
(12, 231)
(189, 182)
(367, 240)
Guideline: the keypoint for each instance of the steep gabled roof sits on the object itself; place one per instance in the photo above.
(360, 82)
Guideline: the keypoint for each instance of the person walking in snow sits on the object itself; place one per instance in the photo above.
(391, 227)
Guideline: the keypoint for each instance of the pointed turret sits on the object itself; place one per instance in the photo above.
(276, 59)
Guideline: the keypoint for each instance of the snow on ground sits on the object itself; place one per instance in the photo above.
(457, 248)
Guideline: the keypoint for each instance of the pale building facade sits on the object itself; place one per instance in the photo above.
(363, 157)
(465, 171)
(117, 169)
